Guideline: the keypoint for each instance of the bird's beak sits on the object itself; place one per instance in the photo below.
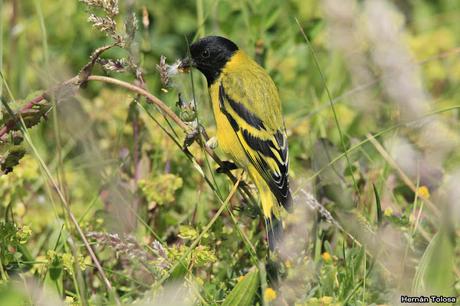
(186, 64)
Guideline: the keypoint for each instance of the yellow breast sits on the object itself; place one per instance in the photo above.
(227, 140)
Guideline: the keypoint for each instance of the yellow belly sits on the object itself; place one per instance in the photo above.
(229, 143)
(227, 140)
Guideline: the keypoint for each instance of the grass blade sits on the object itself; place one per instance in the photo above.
(245, 291)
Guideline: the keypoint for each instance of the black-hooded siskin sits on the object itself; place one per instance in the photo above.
(250, 127)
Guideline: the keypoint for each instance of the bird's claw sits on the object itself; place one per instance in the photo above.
(190, 138)
(226, 166)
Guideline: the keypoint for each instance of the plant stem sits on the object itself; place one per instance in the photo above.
(77, 81)
(2, 271)
(65, 204)
(161, 105)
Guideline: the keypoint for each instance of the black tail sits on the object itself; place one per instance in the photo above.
(275, 232)
(274, 225)
(288, 204)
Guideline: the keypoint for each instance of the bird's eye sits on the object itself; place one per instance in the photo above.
(205, 53)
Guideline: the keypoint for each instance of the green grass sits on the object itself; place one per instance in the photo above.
(101, 204)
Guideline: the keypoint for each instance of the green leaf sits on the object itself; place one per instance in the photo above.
(30, 116)
(378, 204)
(11, 159)
(435, 271)
(180, 271)
(55, 265)
(187, 232)
(271, 19)
(245, 291)
(161, 189)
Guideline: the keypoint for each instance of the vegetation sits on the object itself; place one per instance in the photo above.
(108, 194)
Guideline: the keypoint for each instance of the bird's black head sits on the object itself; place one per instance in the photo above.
(210, 54)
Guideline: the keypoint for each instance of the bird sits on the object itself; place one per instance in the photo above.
(249, 123)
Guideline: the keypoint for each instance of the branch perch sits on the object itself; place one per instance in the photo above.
(81, 79)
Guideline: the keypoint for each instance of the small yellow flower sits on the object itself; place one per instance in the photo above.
(269, 295)
(67, 262)
(388, 212)
(87, 261)
(423, 192)
(288, 264)
(69, 300)
(326, 300)
(40, 265)
(240, 278)
(23, 234)
(326, 257)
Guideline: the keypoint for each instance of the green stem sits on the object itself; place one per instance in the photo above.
(200, 18)
(2, 271)
(336, 119)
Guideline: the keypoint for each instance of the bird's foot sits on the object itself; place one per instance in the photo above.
(190, 138)
(211, 143)
(226, 166)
